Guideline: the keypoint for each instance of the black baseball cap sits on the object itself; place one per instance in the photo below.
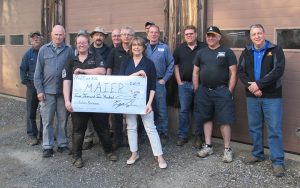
(149, 23)
(213, 30)
(35, 33)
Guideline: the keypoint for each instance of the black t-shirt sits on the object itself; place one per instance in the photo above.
(116, 57)
(214, 65)
(183, 57)
(92, 61)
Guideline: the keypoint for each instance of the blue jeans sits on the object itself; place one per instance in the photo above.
(160, 111)
(186, 98)
(269, 112)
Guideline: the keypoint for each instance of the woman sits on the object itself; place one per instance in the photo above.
(90, 64)
(139, 65)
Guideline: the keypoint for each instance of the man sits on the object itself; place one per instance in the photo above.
(48, 82)
(183, 60)
(115, 37)
(163, 60)
(147, 26)
(115, 59)
(260, 69)
(98, 36)
(27, 69)
(215, 65)
(86, 63)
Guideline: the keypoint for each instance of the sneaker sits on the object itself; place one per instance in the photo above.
(181, 141)
(205, 151)
(198, 142)
(47, 153)
(112, 156)
(251, 160)
(227, 158)
(78, 163)
(33, 141)
(87, 145)
(278, 171)
(64, 150)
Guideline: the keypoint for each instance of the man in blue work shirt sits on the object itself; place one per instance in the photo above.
(27, 69)
(163, 60)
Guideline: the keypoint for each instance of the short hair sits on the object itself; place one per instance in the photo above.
(83, 33)
(190, 27)
(156, 26)
(127, 28)
(140, 41)
(257, 26)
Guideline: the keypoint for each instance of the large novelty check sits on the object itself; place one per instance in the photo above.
(110, 94)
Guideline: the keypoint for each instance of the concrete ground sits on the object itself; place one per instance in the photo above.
(23, 166)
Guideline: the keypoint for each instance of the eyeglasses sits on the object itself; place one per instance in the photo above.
(116, 35)
(187, 34)
(126, 34)
(82, 43)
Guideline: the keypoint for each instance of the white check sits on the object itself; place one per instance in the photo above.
(109, 94)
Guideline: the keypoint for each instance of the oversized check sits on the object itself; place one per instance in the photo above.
(110, 94)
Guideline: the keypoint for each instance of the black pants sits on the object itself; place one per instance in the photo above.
(117, 124)
(32, 104)
(101, 126)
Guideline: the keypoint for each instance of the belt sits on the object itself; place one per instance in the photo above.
(213, 88)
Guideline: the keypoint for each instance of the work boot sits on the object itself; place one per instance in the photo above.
(181, 141)
(198, 142)
(87, 145)
(47, 153)
(251, 160)
(278, 171)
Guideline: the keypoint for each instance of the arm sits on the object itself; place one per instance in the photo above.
(170, 66)
(233, 78)
(67, 93)
(39, 76)
(177, 75)
(149, 103)
(24, 67)
(94, 71)
(196, 73)
(241, 70)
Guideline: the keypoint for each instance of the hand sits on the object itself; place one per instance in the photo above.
(148, 109)
(141, 73)
(41, 97)
(69, 106)
(162, 81)
(253, 87)
(258, 93)
(78, 71)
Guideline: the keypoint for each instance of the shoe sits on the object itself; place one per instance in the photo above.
(198, 142)
(64, 150)
(47, 153)
(251, 160)
(87, 145)
(278, 171)
(181, 141)
(33, 141)
(78, 163)
(112, 156)
(227, 158)
(162, 164)
(132, 161)
(205, 151)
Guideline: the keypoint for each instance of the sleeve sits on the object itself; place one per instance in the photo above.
(67, 72)
(170, 64)
(24, 67)
(196, 60)
(39, 72)
(231, 58)
(241, 69)
(276, 72)
(176, 57)
(152, 79)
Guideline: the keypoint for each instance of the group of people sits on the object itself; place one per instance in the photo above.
(206, 74)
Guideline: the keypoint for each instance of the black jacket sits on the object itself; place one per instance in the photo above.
(272, 69)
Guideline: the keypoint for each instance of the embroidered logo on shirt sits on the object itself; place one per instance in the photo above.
(101, 63)
(269, 54)
(64, 73)
(161, 49)
(220, 55)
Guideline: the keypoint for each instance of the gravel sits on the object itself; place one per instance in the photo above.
(23, 166)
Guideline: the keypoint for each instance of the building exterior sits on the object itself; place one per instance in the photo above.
(280, 19)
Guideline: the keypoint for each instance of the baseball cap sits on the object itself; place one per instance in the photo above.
(213, 30)
(35, 33)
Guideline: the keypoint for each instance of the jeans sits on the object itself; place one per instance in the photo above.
(101, 127)
(32, 104)
(186, 98)
(269, 112)
(150, 128)
(52, 105)
(160, 110)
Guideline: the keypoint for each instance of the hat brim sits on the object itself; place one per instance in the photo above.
(212, 32)
(92, 33)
